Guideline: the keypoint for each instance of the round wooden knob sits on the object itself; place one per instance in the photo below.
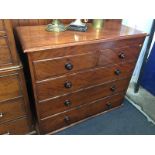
(109, 105)
(69, 66)
(113, 88)
(117, 72)
(67, 103)
(67, 119)
(68, 84)
(121, 55)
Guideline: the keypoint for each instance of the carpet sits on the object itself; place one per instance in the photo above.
(126, 120)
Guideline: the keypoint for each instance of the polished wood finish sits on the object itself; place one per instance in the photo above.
(8, 54)
(12, 109)
(79, 113)
(58, 104)
(14, 103)
(54, 87)
(78, 74)
(35, 38)
(18, 127)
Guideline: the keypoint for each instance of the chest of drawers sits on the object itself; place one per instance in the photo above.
(76, 75)
(15, 115)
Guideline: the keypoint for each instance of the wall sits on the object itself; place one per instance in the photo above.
(143, 25)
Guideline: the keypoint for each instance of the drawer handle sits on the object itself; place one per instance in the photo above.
(67, 103)
(109, 105)
(1, 114)
(68, 84)
(69, 66)
(121, 55)
(67, 119)
(117, 72)
(113, 88)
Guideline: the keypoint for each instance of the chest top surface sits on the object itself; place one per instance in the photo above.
(35, 38)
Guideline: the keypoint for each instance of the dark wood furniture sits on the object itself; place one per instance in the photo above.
(15, 115)
(78, 74)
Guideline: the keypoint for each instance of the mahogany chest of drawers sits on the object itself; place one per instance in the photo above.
(78, 74)
(15, 116)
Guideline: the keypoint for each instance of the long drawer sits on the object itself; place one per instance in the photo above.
(79, 113)
(67, 84)
(66, 102)
(47, 68)
(12, 109)
(17, 127)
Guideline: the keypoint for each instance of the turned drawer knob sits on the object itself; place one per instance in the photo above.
(67, 103)
(113, 88)
(117, 72)
(109, 106)
(121, 55)
(66, 119)
(1, 114)
(68, 84)
(69, 66)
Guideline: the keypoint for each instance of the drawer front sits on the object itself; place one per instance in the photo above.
(5, 56)
(18, 127)
(67, 84)
(10, 87)
(59, 121)
(119, 55)
(81, 49)
(3, 42)
(66, 102)
(12, 109)
(1, 25)
(50, 67)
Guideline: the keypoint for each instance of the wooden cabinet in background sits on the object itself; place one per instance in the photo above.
(15, 114)
(78, 74)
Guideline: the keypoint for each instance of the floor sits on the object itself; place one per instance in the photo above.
(126, 120)
(143, 99)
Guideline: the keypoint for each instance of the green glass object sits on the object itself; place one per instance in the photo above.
(55, 26)
(98, 23)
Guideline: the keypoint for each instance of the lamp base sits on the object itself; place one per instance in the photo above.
(55, 26)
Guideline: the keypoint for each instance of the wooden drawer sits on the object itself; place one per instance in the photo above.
(58, 86)
(66, 102)
(12, 109)
(119, 55)
(3, 42)
(10, 86)
(79, 113)
(50, 67)
(18, 127)
(81, 49)
(5, 56)
(47, 68)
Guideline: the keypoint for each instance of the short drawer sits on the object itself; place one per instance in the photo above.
(5, 56)
(17, 127)
(10, 86)
(66, 102)
(53, 67)
(119, 55)
(67, 84)
(12, 109)
(3, 42)
(67, 118)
